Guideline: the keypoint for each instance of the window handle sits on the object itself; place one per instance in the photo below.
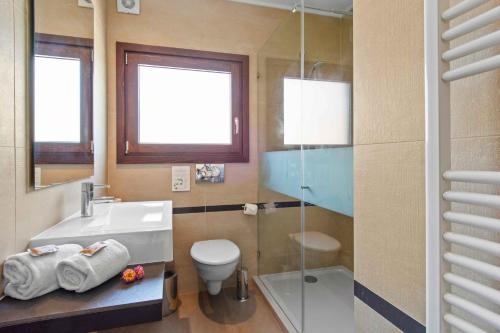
(236, 125)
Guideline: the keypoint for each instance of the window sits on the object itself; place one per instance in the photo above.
(176, 105)
(62, 95)
(317, 112)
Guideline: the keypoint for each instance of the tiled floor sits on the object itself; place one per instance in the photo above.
(199, 313)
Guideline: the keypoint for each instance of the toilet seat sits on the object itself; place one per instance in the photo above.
(317, 241)
(215, 252)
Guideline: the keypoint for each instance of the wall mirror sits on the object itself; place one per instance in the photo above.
(61, 133)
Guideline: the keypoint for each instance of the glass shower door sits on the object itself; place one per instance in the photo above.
(305, 224)
(279, 219)
(327, 165)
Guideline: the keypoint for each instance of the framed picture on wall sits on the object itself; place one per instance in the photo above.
(209, 173)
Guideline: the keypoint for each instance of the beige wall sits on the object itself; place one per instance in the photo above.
(389, 193)
(23, 213)
(211, 25)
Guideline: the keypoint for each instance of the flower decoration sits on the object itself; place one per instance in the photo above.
(128, 275)
(139, 272)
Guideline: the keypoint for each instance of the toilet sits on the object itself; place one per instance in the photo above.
(320, 249)
(215, 260)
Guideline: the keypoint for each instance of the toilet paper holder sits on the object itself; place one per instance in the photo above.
(250, 209)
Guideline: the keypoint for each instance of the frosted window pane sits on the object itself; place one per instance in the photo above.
(181, 106)
(57, 99)
(317, 112)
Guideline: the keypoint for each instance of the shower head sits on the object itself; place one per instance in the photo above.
(323, 11)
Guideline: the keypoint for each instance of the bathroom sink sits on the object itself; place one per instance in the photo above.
(145, 228)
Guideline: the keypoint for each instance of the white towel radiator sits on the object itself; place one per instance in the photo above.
(439, 176)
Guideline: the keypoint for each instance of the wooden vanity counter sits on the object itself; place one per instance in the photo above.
(112, 304)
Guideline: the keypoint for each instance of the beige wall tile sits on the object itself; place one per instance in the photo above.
(476, 112)
(240, 184)
(7, 70)
(188, 229)
(38, 210)
(151, 182)
(388, 71)
(389, 229)
(389, 176)
(369, 321)
(188, 280)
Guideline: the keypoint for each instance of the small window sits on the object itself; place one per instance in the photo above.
(177, 105)
(317, 112)
(62, 95)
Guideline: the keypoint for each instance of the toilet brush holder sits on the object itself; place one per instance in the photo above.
(242, 284)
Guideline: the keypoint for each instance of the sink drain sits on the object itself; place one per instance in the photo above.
(310, 279)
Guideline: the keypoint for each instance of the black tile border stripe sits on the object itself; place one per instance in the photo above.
(394, 315)
(187, 210)
(233, 207)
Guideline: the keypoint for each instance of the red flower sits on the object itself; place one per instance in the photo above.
(139, 272)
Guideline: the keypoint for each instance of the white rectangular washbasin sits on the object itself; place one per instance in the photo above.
(145, 228)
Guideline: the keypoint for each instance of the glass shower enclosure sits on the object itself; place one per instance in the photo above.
(305, 226)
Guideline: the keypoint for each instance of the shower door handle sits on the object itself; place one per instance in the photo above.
(305, 187)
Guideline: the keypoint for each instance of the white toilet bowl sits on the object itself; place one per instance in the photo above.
(320, 249)
(215, 260)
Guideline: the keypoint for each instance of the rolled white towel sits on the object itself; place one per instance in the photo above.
(28, 277)
(81, 273)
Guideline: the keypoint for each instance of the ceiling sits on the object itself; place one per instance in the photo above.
(313, 6)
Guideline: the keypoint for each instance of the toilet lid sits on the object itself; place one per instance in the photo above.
(215, 252)
(318, 241)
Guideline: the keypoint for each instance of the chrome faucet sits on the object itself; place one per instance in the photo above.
(88, 199)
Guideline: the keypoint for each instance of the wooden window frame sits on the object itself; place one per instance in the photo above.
(68, 153)
(130, 151)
